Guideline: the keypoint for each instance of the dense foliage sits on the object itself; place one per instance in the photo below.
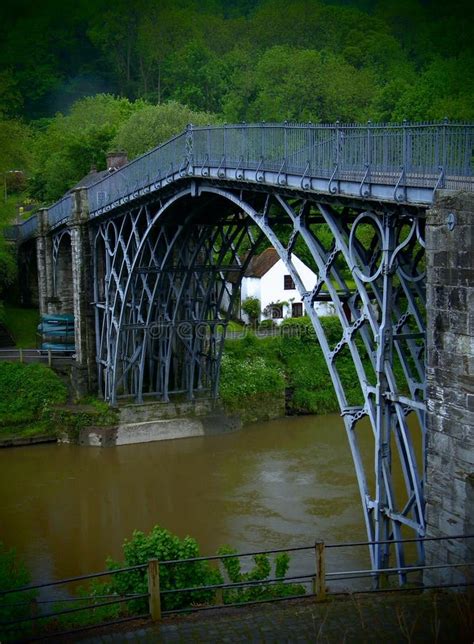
(158, 544)
(28, 391)
(163, 545)
(248, 375)
(13, 606)
(261, 572)
(291, 363)
(79, 78)
(242, 58)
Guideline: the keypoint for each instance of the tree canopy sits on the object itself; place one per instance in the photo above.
(77, 78)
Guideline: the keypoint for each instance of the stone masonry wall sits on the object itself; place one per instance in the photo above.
(450, 384)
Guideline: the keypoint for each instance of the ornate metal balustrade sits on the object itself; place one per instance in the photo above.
(402, 163)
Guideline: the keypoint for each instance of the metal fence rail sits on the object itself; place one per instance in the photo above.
(60, 211)
(49, 356)
(430, 155)
(27, 228)
(143, 173)
(423, 155)
(316, 582)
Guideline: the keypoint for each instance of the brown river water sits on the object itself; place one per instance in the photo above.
(276, 484)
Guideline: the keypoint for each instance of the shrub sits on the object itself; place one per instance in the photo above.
(247, 376)
(251, 306)
(261, 572)
(14, 606)
(163, 545)
(27, 391)
(267, 324)
(294, 361)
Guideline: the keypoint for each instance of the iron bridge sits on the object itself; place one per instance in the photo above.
(173, 233)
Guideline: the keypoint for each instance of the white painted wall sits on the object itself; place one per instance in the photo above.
(270, 288)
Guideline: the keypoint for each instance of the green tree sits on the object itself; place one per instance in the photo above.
(446, 88)
(15, 146)
(154, 124)
(11, 100)
(161, 32)
(251, 306)
(8, 268)
(114, 32)
(306, 85)
(198, 77)
(65, 149)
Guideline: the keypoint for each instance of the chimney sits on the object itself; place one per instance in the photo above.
(116, 159)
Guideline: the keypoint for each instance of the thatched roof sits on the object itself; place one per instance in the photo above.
(262, 263)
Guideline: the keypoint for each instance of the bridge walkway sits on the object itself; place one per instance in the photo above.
(388, 617)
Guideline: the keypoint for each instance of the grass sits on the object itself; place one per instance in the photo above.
(286, 366)
(22, 323)
(28, 392)
(235, 326)
(37, 428)
(33, 404)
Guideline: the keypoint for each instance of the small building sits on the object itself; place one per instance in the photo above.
(268, 280)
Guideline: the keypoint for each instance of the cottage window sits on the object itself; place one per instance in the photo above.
(297, 309)
(288, 283)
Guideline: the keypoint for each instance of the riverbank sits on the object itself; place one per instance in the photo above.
(286, 374)
(261, 379)
(35, 406)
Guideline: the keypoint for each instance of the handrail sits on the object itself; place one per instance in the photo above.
(251, 553)
(362, 153)
(317, 577)
(359, 151)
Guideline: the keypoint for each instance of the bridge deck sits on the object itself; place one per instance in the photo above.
(395, 163)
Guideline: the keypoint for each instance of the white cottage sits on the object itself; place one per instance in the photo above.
(268, 280)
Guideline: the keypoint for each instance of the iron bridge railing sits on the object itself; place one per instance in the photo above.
(421, 155)
(397, 157)
(320, 580)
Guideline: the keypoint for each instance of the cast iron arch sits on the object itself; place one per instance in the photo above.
(159, 275)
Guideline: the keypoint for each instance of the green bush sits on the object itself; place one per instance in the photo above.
(162, 545)
(307, 376)
(293, 362)
(251, 306)
(261, 572)
(267, 324)
(14, 606)
(27, 391)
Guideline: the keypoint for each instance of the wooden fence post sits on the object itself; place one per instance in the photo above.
(21, 355)
(154, 600)
(219, 597)
(319, 587)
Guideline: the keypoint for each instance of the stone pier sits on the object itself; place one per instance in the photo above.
(450, 384)
(85, 367)
(65, 284)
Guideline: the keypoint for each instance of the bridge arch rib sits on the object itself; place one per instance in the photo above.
(172, 271)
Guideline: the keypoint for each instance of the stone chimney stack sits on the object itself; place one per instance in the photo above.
(116, 159)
